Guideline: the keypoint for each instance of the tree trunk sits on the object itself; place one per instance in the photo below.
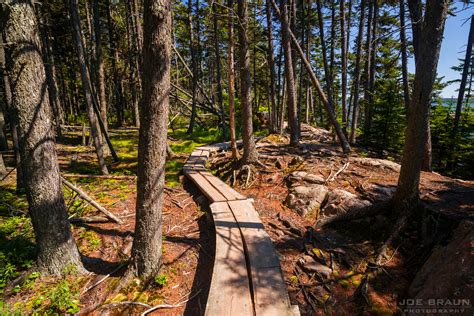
(462, 86)
(373, 56)
(331, 50)
(86, 85)
(194, 67)
(342, 17)
(327, 72)
(314, 80)
(50, 69)
(99, 60)
(220, 98)
(117, 84)
(356, 80)
(430, 39)
(368, 60)
(289, 76)
(250, 151)
(271, 66)
(146, 250)
(231, 78)
(56, 246)
(403, 51)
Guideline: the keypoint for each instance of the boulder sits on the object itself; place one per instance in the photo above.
(341, 201)
(302, 176)
(306, 199)
(379, 163)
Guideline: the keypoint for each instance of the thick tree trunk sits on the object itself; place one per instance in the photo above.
(146, 250)
(86, 85)
(289, 76)
(99, 60)
(356, 80)
(430, 39)
(220, 98)
(250, 151)
(403, 51)
(271, 66)
(231, 78)
(56, 246)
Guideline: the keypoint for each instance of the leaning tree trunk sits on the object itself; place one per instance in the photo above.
(86, 85)
(289, 76)
(231, 78)
(56, 246)
(430, 39)
(146, 250)
(250, 151)
(356, 80)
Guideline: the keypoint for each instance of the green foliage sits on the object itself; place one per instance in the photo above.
(161, 279)
(90, 241)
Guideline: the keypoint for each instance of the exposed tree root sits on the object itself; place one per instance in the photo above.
(370, 210)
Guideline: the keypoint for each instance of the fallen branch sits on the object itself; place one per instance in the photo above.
(103, 279)
(339, 171)
(5, 176)
(89, 219)
(178, 304)
(111, 305)
(92, 176)
(91, 201)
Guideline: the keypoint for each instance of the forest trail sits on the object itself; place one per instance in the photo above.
(247, 278)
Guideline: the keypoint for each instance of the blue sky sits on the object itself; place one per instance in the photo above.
(453, 47)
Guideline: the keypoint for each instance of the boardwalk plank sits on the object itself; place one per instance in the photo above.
(229, 293)
(206, 188)
(270, 291)
(222, 187)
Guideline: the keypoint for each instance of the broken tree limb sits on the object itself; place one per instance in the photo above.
(314, 80)
(91, 201)
(89, 219)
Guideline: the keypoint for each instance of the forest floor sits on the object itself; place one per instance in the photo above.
(188, 238)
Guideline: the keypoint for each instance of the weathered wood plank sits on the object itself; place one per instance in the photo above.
(229, 293)
(269, 288)
(222, 187)
(203, 184)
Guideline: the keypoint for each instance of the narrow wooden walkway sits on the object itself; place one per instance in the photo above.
(247, 278)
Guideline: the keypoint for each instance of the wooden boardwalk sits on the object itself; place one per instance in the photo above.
(247, 278)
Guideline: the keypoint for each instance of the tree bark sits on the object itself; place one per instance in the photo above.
(430, 39)
(231, 78)
(368, 60)
(250, 151)
(289, 76)
(146, 250)
(86, 86)
(271, 66)
(56, 246)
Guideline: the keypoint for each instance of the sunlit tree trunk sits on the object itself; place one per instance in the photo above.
(231, 79)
